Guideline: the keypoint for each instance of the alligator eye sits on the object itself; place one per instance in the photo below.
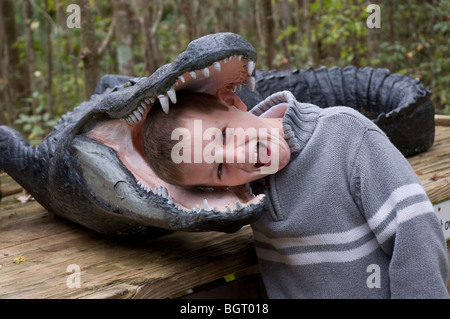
(129, 83)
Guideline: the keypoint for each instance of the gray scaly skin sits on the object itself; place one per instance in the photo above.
(76, 174)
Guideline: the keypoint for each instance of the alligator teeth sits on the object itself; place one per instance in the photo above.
(164, 192)
(239, 205)
(172, 95)
(134, 118)
(251, 67)
(206, 205)
(217, 66)
(251, 83)
(138, 115)
(164, 100)
(144, 187)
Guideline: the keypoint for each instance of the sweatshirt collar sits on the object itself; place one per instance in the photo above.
(299, 121)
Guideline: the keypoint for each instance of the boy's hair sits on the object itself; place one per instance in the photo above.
(158, 128)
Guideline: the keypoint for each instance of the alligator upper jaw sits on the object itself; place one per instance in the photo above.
(125, 137)
(230, 72)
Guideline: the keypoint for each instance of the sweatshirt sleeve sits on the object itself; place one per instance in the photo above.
(398, 211)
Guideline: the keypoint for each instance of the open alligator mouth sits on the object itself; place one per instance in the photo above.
(229, 69)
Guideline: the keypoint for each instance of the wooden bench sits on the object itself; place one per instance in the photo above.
(42, 256)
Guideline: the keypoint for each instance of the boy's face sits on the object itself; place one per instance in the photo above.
(228, 148)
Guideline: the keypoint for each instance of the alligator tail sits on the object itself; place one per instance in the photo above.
(23, 162)
(398, 104)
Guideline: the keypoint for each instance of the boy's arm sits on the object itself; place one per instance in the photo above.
(400, 214)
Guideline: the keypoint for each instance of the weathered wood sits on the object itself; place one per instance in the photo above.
(442, 120)
(433, 166)
(140, 268)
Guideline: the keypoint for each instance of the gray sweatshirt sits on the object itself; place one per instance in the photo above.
(347, 217)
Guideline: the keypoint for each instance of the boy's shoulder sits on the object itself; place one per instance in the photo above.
(345, 116)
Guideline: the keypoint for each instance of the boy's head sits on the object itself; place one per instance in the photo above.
(210, 140)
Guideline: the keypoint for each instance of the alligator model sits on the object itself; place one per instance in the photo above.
(90, 168)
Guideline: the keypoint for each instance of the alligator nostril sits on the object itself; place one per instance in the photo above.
(120, 189)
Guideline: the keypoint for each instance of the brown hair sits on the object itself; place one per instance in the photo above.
(158, 128)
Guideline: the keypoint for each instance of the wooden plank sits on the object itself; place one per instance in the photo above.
(433, 166)
(442, 120)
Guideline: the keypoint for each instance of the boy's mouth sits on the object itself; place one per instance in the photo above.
(261, 158)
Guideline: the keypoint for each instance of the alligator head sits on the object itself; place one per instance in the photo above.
(90, 168)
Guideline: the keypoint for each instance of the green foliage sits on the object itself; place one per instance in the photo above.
(37, 125)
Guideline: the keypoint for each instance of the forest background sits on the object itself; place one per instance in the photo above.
(49, 65)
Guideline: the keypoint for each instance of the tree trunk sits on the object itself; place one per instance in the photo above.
(235, 17)
(49, 74)
(299, 20)
(71, 67)
(124, 36)
(5, 104)
(27, 17)
(373, 42)
(16, 73)
(89, 52)
(149, 23)
(312, 54)
(268, 27)
(189, 8)
(390, 30)
(285, 21)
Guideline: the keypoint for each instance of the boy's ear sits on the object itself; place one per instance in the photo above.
(228, 97)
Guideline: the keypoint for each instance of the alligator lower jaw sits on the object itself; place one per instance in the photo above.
(125, 137)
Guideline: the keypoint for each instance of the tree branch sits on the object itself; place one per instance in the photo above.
(106, 40)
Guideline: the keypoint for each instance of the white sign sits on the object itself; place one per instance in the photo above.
(442, 211)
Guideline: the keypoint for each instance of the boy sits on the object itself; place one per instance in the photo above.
(346, 215)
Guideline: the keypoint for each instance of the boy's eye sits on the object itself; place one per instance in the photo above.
(224, 135)
(219, 171)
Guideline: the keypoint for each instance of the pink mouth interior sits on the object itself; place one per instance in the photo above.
(263, 158)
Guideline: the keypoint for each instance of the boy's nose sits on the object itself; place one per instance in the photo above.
(238, 159)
